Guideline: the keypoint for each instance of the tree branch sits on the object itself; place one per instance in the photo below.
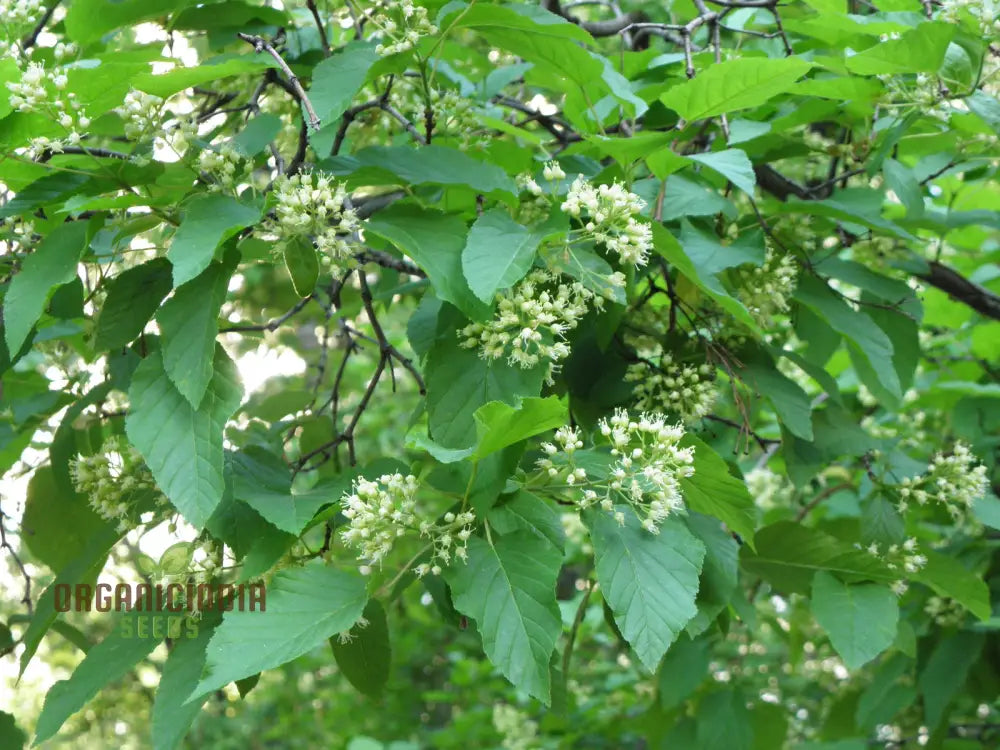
(262, 45)
(960, 289)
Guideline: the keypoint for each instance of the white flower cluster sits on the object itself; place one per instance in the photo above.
(956, 481)
(925, 92)
(765, 289)
(113, 481)
(646, 474)
(455, 116)
(222, 165)
(403, 29)
(769, 490)
(608, 215)
(17, 13)
(141, 113)
(685, 390)
(531, 322)
(380, 512)
(42, 92)
(314, 206)
(946, 613)
(903, 557)
(518, 731)
(983, 12)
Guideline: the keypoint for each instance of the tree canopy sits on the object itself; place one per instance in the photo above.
(568, 374)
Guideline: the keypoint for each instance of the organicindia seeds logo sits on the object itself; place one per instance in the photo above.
(160, 610)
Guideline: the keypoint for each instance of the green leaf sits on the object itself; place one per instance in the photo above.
(209, 220)
(650, 581)
(712, 490)
(132, 298)
(428, 165)
(189, 325)
(51, 188)
(262, 481)
(171, 715)
(526, 512)
(946, 671)
(337, 79)
(733, 164)
(789, 401)
(922, 49)
(508, 588)
(183, 446)
(789, 554)
(459, 381)
(180, 78)
(302, 263)
(537, 36)
(57, 524)
(682, 670)
(855, 325)
(11, 736)
(734, 84)
(860, 618)
(52, 263)
(83, 569)
(724, 722)
(366, 657)
(88, 20)
(497, 254)
(108, 661)
(948, 577)
(435, 241)
(667, 245)
(719, 574)
(499, 425)
(305, 606)
(259, 131)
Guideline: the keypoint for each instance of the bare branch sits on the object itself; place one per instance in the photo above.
(262, 45)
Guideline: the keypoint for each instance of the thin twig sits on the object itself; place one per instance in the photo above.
(262, 45)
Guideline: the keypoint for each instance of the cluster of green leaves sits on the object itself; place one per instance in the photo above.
(858, 140)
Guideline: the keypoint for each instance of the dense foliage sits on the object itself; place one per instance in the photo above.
(592, 374)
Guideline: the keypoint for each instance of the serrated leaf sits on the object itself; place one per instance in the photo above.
(724, 722)
(499, 425)
(508, 588)
(435, 241)
(921, 49)
(305, 606)
(712, 490)
(524, 511)
(459, 381)
(364, 659)
(52, 263)
(946, 671)
(132, 298)
(108, 661)
(650, 581)
(428, 165)
(337, 79)
(498, 253)
(948, 577)
(83, 569)
(733, 164)
(858, 327)
(209, 219)
(733, 85)
(683, 669)
(189, 325)
(860, 618)
(171, 716)
(262, 481)
(788, 555)
(183, 446)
